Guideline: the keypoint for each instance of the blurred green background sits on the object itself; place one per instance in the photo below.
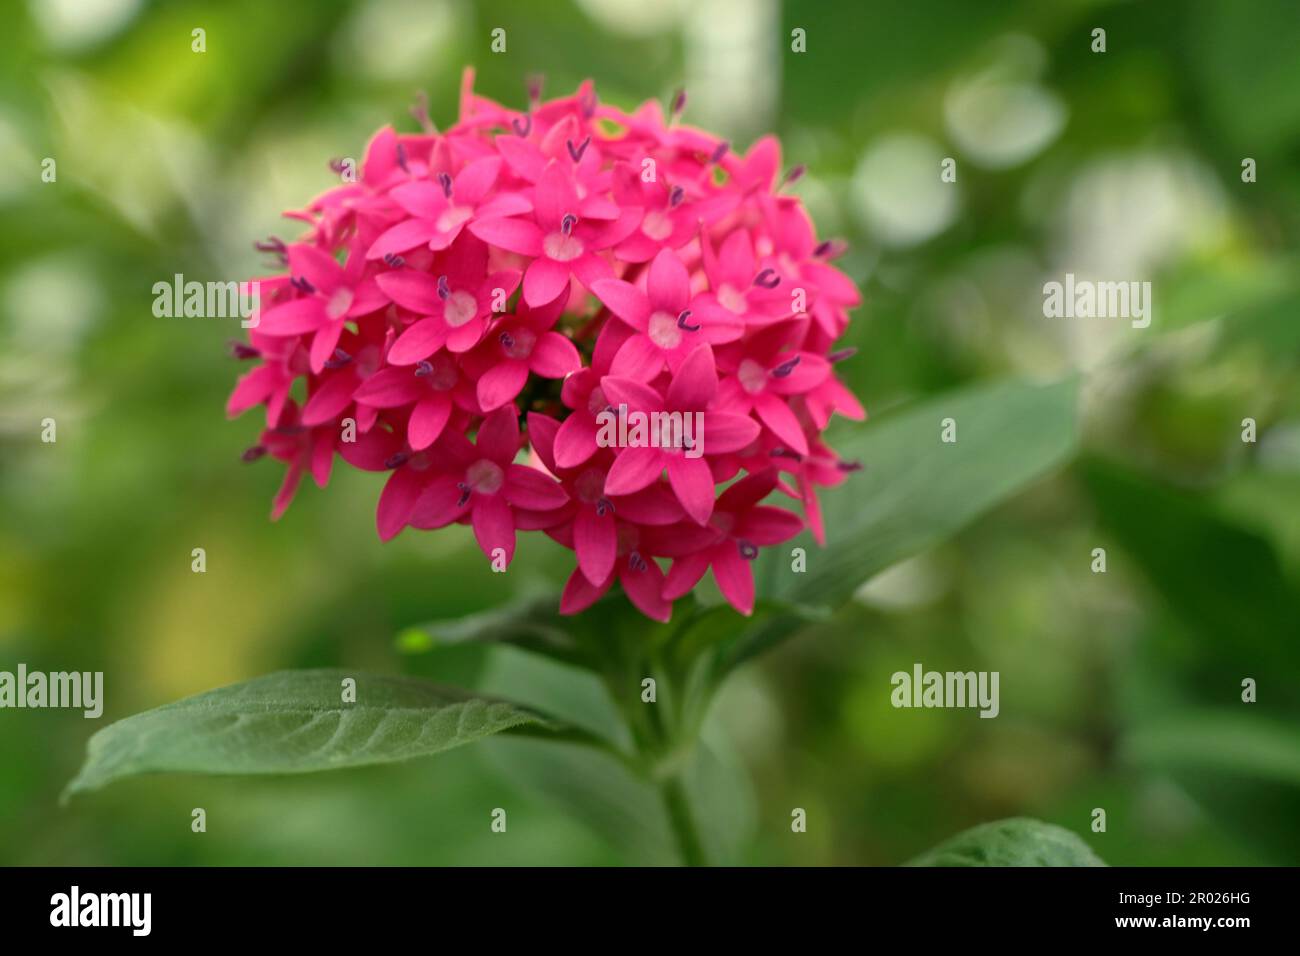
(1119, 690)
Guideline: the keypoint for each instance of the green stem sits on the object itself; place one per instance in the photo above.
(683, 824)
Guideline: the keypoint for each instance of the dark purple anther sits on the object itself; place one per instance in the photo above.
(779, 452)
(767, 279)
(289, 429)
(522, 127)
(604, 507)
(302, 285)
(849, 466)
(719, 151)
(676, 196)
(423, 368)
(507, 340)
(337, 166)
(575, 152)
(340, 359)
(401, 158)
(567, 223)
(794, 175)
(830, 249)
(679, 103)
(254, 453)
(464, 494)
(588, 105)
(420, 110)
(393, 260)
(681, 322)
(444, 180)
(534, 82)
(241, 350)
(636, 562)
(444, 290)
(274, 245)
(398, 460)
(748, 550)
(785, 368)
(840, 355)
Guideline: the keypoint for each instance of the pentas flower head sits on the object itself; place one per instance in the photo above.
(606, 327)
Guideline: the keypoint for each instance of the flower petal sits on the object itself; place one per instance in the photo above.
(529, 488)
(411, 289)
(544, 281)
(776, 415)
(669, 284)
(428, 419)
(695, 383)
(418, 342)
(396, 501)
(625, 300)
(575, 442)
(735, 577)
(595, 542)
(692, 482)
(389, 388)
(405, 235)
(644, 586)
(554, 356)
(634, 469)
(293, 317)
(501, 383)
(494, 526)
(513, 235)
(498, 436)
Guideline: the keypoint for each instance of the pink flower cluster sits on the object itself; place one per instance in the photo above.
(557, 263)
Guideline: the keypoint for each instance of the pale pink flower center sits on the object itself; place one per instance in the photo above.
(460, 308)
(590, 485)
(339, 303)
(485, 477)
(723, 521)
(452, 217)
(629, 538)
(731, 299)
(657, 225)
(562, 248)
(518, 343)
(752, 376)
(664, 331)
(444, 374)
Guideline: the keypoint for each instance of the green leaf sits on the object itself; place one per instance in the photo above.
(1018, 841)
(295, 722)
(1218, 741)
(916, 490)
(1176, 538)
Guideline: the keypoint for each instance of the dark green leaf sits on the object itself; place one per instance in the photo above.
(916, 490)
(295, 722)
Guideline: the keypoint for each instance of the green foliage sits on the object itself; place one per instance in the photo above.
(1015, 842)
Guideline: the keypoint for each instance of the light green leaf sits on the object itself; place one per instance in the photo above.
(296, 722)
(1018, 841)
